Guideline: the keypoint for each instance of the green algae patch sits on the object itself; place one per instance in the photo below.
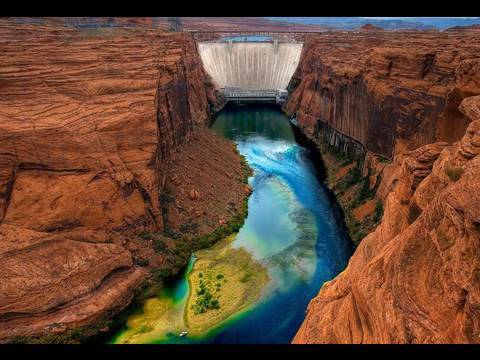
(154, 309)
(221, 282)
(224, 280)
(159, 317)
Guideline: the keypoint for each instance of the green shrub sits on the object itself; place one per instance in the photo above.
(205, 301)
(171, 233)
(354, 227)
(246, 169)
(161, 274)
(222, 231)
(363, 194)
(141, 261)
(353, 177)
(146, 235)
(378, 211)
(189, 227)
(246, 277)
(145, 329)
(454, 172)
(358, 236)
(159, 245)
(165, 197)
(340, 157)
(201, 291)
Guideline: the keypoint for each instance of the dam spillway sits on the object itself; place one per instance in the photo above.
(250, 65)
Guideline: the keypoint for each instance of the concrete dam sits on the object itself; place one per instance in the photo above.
(251, 70)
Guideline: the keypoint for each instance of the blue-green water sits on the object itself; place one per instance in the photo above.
(290, 227)
(291, 230)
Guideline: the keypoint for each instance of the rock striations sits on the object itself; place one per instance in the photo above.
(89, 121)
(386, 90)
(413, 97)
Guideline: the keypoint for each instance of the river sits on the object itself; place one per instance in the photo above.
(291, 230)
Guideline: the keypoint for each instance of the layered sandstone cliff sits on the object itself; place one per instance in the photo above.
(208, 24)
(90, 122)
(412, 97)
(415, 279)
(387, 91)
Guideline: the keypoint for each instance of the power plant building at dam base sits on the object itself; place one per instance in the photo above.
(255, 67)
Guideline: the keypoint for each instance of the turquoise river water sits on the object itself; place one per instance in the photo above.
(291, 229)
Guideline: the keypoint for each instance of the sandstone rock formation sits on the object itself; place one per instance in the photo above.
(377, 95)
(90, 122)
(368, 27)
(387, 90)
(96, 125)
(188, 23)
(464, 28)
(415, 279)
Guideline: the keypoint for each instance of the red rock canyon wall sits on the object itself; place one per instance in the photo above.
(88, 123)
(415, 278)
(384, 89)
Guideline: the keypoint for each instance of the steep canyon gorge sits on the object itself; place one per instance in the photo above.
(407, 103)
(104, 145)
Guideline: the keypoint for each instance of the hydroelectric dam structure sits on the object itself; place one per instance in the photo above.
(251, 71)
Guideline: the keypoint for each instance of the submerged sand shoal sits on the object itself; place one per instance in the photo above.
(232, 277)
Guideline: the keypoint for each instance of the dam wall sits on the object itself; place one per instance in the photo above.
(250, 65)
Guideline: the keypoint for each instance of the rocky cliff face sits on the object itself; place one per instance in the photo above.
(387, 90)
(89, 123)
(414, 279)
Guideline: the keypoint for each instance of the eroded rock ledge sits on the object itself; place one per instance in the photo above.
(91, 123)
(388, 90)
(411, 97)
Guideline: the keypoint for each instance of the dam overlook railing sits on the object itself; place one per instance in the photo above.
(251, 70)
(214, 35)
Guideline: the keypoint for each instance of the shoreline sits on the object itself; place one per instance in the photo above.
(205, 241)
(321, 170)
(321, 175)
(231, 314)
